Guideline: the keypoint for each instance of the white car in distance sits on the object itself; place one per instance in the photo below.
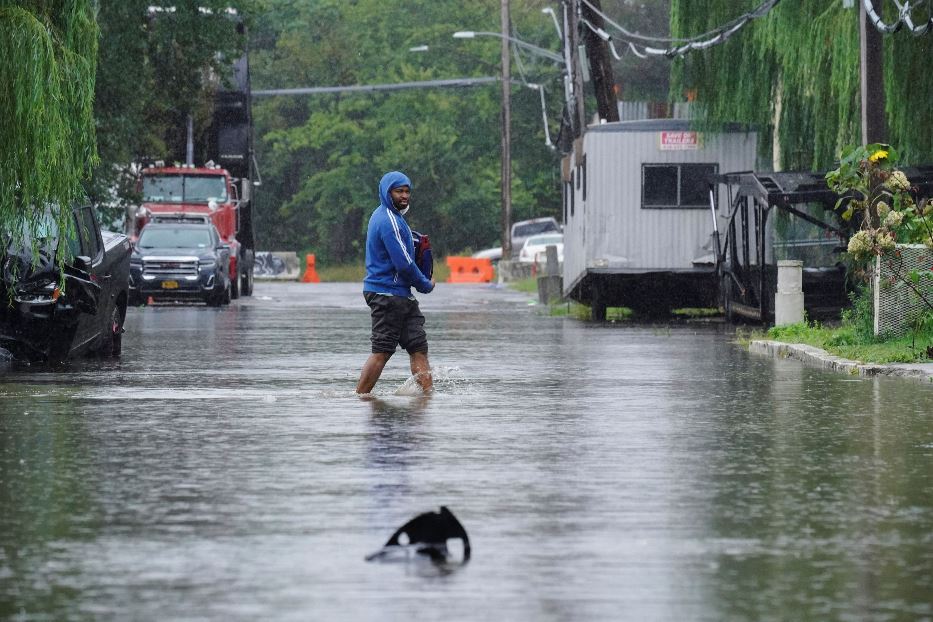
(535, 248)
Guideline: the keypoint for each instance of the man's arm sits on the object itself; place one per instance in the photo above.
(404, 263)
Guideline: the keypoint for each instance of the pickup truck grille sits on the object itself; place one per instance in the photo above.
(158, 267)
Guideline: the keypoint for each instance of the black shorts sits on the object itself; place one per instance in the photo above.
(397, 321)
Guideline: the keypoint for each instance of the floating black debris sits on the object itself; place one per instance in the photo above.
(426, 534)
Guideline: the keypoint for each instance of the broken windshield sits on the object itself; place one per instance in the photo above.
(44, 231)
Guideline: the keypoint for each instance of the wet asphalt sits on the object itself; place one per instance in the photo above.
(223, 468)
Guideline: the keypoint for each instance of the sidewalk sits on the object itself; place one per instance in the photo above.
(821, 358)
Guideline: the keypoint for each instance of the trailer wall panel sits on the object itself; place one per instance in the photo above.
(609, 229)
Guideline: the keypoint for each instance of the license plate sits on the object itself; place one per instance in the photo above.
(169, 284)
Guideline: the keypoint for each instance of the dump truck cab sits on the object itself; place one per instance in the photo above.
(195, 195)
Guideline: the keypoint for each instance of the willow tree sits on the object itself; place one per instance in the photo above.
(49, 50)
(795, 75)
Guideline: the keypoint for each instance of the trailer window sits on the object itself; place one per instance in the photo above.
(676, 186)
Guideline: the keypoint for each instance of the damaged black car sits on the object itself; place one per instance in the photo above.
(52, 314)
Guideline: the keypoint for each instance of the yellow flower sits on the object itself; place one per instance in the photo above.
(881, 154)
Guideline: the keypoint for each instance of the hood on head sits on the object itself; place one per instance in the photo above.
(390, 180)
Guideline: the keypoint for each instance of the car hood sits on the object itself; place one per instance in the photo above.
(200, 253)
(535, 248)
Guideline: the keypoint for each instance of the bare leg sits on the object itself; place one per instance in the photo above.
(422, 371)
(372, 369)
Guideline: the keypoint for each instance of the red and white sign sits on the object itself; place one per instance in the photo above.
(679, 141)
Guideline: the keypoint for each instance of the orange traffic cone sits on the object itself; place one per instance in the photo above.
(310, 275)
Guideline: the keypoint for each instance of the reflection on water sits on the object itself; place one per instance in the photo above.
(225, 469)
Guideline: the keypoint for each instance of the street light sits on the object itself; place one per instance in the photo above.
(472, 34)
(506, 109)
(553, 15)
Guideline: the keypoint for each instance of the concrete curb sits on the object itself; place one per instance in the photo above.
(816, 357)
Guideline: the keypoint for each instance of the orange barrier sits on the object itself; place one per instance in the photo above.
(469, 270)
(310, 275)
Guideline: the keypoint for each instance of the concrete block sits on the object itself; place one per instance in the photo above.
(788, 308)
(550, 289)
(788, 300)
(790, 276)
(512, 271)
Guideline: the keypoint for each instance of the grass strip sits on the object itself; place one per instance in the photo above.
(845, 341)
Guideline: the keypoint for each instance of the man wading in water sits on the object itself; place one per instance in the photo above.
(390, 274)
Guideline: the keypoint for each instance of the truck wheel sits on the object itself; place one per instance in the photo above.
(246, 283)
(227, 295)
(112, 342)
(727, 289)
(597, 306)
(234, 287)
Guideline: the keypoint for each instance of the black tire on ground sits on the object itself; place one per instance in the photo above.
(227, 295)
(727, 297)
(246, 282)
(597, 305)
(112, 340)
(214, 299)
(235, 286)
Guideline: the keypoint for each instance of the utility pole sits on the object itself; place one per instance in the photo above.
(571, 8)
(597, 52)
(874, 128)
(506, 133)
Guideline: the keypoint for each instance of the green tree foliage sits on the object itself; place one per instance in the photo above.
(46, 91)
(804, 55)
(321, 157)
(155, 68)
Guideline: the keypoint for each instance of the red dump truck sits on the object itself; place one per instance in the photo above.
(220, 193)
(199, 194)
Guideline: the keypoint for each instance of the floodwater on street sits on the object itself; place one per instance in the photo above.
(224, 469)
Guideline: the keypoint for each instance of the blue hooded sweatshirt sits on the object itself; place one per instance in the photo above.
(390, 251)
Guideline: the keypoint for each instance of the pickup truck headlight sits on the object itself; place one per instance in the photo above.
(42, 291)
(207, 265)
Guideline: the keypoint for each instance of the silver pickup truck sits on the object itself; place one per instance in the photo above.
(524, 229)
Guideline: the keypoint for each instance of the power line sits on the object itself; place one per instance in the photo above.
(401, 86)
(699, 42)
(366, 88)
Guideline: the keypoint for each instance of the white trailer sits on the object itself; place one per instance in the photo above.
(639, 222)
